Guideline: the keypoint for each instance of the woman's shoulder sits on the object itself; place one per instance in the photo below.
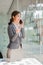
(11, 26)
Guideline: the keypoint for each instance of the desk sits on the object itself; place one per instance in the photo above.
(24, 61)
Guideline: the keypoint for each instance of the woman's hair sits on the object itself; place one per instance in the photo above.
(14, 13)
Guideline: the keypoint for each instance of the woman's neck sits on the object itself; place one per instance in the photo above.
(15, 22)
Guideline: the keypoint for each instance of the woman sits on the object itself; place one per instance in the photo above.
(15, 32)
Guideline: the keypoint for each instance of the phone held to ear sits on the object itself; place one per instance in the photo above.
(20, 21)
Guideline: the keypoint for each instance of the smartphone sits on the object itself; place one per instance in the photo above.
(20, 21)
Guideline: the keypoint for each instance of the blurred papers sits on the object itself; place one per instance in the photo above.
(25, 61)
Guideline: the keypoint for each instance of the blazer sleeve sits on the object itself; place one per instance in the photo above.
(12, 33)
(22, 33)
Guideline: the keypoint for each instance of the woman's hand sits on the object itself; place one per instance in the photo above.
(22, 25)
(17, 31)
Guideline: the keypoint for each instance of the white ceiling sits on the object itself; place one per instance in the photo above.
(7, 6)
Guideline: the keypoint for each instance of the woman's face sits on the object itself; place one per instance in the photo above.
(17, 18)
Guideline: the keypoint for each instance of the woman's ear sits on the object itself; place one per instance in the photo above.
(13, 17)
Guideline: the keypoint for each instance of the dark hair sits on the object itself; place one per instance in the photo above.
(20, 21)
(1, 56)
(14, 13)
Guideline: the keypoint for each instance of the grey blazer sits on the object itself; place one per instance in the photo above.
(14, 38)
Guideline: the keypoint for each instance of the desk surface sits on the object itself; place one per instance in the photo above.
(24, 61)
